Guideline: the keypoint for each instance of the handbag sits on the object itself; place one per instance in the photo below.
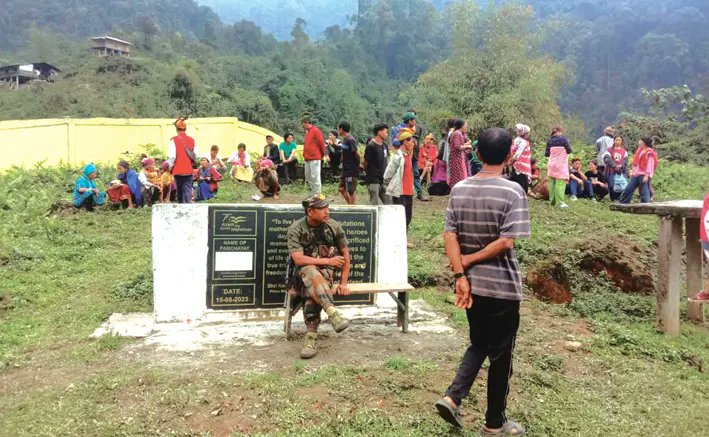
(192, 157)
(619, 183)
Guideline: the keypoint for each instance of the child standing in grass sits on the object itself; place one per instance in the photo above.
(486, 213)
(704, 235)
(558, 150)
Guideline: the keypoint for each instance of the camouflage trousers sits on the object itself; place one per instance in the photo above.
(316, 288)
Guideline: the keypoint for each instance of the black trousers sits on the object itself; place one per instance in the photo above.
(493, 329)
(408, 203)
(287, 172)
(88, 204)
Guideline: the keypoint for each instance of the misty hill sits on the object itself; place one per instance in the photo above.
(82, 18)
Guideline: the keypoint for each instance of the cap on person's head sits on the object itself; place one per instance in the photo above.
(180, 124)
(316, 201)
(608, 130)
(429, 137)
(409, 116)
(114, 183)
(165, 165)
(147, 162)
(404, 135)
(306, 117)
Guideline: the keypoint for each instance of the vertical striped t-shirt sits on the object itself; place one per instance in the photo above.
(480, 211)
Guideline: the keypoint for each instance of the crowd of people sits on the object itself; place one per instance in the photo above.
(396, 165)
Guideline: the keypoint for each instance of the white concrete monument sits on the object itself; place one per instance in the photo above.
(211, 258)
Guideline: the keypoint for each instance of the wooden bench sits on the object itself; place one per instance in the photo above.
(401, 298)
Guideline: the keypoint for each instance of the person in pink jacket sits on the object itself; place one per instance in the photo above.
(558, 150)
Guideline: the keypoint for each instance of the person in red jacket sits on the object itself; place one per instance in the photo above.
(704, 236)
(313, 153)
(181, 154)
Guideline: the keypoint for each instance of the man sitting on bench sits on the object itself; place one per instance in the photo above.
(317, 247)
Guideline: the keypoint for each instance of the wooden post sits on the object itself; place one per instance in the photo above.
(669, 259)
(695, 310)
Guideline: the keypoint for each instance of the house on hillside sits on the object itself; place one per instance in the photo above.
(109, 46)
(20, 74)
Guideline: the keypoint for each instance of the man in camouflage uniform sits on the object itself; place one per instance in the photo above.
(317, 247)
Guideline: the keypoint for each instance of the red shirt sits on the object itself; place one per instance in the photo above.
(407, 180)
(182, 166)
(704, 222)
(427, 153)
(313, 145)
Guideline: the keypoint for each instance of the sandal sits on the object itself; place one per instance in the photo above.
(448, 413)
(701, 296)
(510, 428)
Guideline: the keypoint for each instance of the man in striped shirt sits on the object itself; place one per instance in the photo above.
(485, 215)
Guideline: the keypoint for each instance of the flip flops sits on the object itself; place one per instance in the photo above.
(449, 414)
(510, 428)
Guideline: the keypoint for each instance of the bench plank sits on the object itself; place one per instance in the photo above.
(375, 287)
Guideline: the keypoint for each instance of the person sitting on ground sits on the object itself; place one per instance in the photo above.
(207, 179)
(557, 150)
(318, 246)
(427, 160)
(598, 180)
(119, 195)
(288, 158)
(151, 182)
(86, 192)
(241, 165)
(266, 179)
(169, 186)
(486, 214)
(129, 177)
(216, 161)
(534, 179)
(704, 237)
(579, 185)
(350, 164)
(333, 152)
(270, 151)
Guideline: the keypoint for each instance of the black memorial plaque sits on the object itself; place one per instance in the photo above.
(248, 253)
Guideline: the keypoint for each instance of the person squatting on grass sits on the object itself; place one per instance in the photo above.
(150, 181)
(704, 236)
(266, 179)
(558, 150)
(86, 192)
(129, 177)
(207, 179)
(317, 246)
(486, 213)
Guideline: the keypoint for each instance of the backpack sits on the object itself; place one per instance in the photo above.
(619, 183)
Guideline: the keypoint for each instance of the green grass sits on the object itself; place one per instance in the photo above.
(66, 273)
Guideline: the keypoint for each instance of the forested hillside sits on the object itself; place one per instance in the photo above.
(583, 63)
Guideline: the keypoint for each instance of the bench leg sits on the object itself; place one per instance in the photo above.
(669, 277)
(288, 317)
(695, 310)
(402, 314)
